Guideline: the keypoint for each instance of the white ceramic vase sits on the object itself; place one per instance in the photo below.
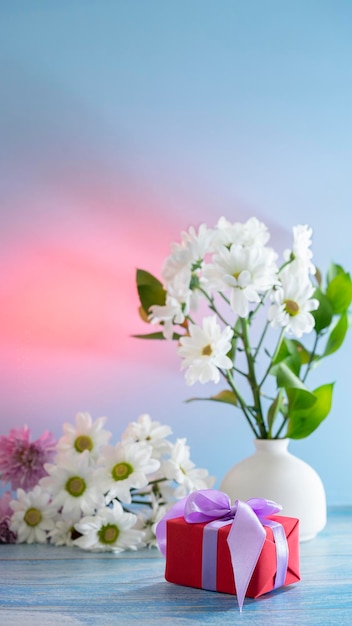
(272, 472)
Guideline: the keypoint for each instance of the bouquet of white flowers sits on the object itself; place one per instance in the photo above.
(256, 312)
(87, 493)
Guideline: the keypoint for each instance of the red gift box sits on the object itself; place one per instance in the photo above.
(184, 556)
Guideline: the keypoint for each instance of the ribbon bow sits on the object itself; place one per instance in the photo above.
(245, 539)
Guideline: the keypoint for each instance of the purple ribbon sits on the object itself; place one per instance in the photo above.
(245, 539)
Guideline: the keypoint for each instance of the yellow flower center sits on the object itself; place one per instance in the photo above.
(83, 442)
(75, 486)
(108, 534)
(207, 350)
(33, 517)
(291, 307)
(121, 471)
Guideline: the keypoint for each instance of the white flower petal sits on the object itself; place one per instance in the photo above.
(204, 350)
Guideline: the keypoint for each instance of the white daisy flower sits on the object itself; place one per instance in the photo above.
(85, 435)
(177, 264)
(199, 243)
(147, 521)
(168, 315)
(181, 469)
(63, 532)
(152, 433)
(204, 351)
(301, 252)
(256, 233)
(243, 272)
(110, 529)
(250, 233)
(188, 256)
(182, 273)
(124, 467)
(293, 303)
(228, 233)
(33, 515)
(73, 486)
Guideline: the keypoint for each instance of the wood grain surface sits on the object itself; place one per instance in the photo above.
(46, 585)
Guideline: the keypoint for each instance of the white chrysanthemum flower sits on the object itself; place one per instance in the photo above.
(204, 352)
(85, 435)
(181, 469)
(63, 532)
(256, 233)
(152, 433)
(244, 272)
(188, 256)
(168, 314)
(182, 274)
(301, 252)
(125, 467)
(33, 515)
(293, 303)
(110, 529)
(250, 233)
(147, 521)
(73, 486)
(199, 243)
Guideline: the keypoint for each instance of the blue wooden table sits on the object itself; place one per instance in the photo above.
(45, 585)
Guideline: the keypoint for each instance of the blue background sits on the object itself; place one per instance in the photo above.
(122, 123)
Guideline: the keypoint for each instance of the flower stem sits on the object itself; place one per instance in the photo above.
(253, 381)
(157, 480)
(212, 305)
(243, 404)
(278, 346)
(281, 428)
(261, 340)
(276, 408)
(311, 357)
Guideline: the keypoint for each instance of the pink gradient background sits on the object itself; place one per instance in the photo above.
(115, 137)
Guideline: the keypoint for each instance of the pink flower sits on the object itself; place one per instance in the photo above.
(6, 535)
(22, 461)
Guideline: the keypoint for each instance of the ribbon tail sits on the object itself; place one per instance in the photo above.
(245, 541)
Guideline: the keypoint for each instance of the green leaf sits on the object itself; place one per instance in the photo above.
(157, 335)
(232, 352)
(323, 314)
(339, 292)
(282, 353)
(337, 335)
(274, 409)
(285, 377)
(333, 271)
(288, 354)
(318, 277)
(300, 399)
(145, 278)
(303, 420)
(304, 354)
(150, 290)
(227, 396)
